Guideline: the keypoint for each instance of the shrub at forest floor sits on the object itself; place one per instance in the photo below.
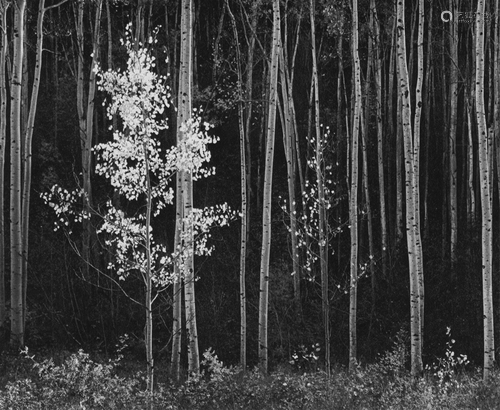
(79, 382)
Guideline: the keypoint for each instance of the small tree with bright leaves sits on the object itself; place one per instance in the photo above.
(141, 171)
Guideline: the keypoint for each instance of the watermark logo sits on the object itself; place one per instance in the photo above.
(462, 16)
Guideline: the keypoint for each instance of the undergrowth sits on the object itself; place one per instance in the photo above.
(79, 382)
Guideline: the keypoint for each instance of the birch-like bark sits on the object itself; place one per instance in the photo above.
(353, 205)
(28, 137)
(3, 139)
(366, 186)
(85, 109)
(243, 187)
(148, 337)
(289, 142)
(452, 138)
(267, 195)
(183, 114)
(175, 361)
(392, 194)
(411, 144)
(16, 268)
(380, 138)
(486, 203)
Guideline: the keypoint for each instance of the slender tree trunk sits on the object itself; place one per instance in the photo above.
(175, 361)
(243, 185)
(267, 195)
(184, 113)
(28, 137)
(427, 117)
(16, 268)
(486, 203)
(452, 139)
(148, 337)
(416, 166)
(322, 208)
(412, 220)
(85, 109)
(366, 186)
(380, 140)
(392, 194)
(353, 207)
(471, 194)
(289, 142)
(3, 138)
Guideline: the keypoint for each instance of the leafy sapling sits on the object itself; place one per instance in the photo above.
(141, 171)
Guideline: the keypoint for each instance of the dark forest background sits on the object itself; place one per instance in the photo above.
(69, 306)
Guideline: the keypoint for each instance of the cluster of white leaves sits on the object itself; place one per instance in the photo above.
(192, 149)
(139, 97)
(308, 221)
(202, 221)
(63, 202)
(126, 237)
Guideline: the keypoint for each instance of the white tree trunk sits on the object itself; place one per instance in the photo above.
(353, 206)
(267, 195)
(486, 205)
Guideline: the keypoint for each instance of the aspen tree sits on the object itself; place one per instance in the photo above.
(416, 163)
(392, 194)
(85, 110)
(427, 117)
(452, 138)
(16, 278)
(411, 151)
(289, 137)
(243, 187)
(28, 137)
(366, 188)
(267, 194)
(380, 135)
(3, 135)
(175, 361)
(486, 200)
(183, 114)
(322, 208)
(353, 206)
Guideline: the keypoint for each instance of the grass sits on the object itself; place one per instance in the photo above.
(75, 381)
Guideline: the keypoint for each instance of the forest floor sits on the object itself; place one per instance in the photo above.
(77, 381)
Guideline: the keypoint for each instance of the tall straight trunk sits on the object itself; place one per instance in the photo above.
(148, 337)
(322, 208)
(365, 122)
(3, 138)
(28, 137)
(452, 138)
(416, 166)
(392, 194)
(399, 170)
(290, 142)
(427, 116)
(353, 205)
(175, 358)
(486, 203)
(267, 194)
(175, 361)
(411, 150)
(471, 194)
(380, 141)
(16, 267)
(243, 187)
(183, 114)
(85, 109)
(249, 101)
